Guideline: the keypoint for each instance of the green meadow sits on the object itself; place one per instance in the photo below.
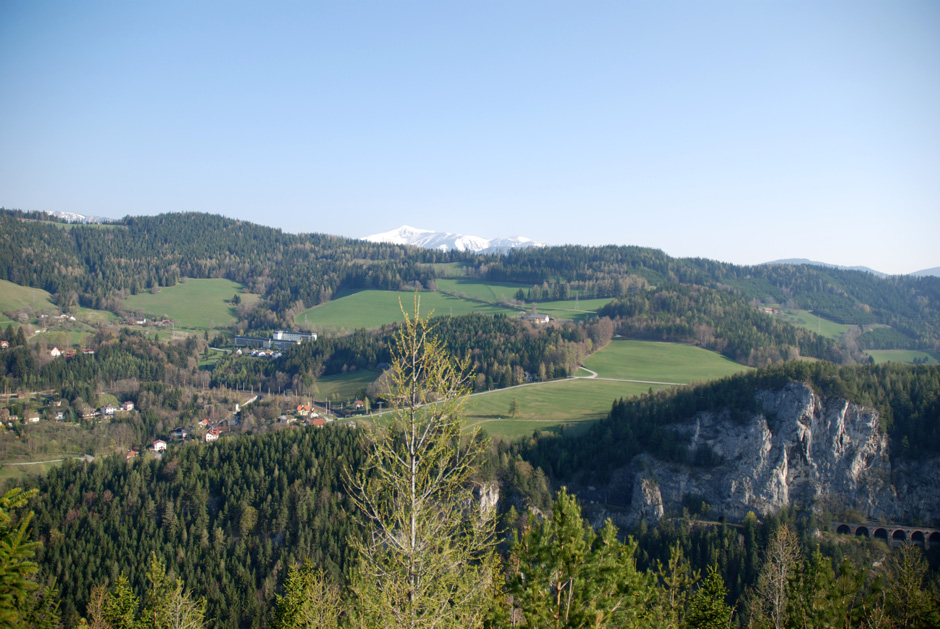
(344, 386)
(375, 308)
(19, 473)
(447, 269)
(95, 317)
(660, 362)
(547, 405)
(199, 304)
(903, 356)
(574, 309)
(15, 297)
(478, 289)
(808, 320)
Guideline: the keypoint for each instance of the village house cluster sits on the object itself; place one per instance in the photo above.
(38, 407)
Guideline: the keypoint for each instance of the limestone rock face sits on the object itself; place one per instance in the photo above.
(798, 450)
(488, 494)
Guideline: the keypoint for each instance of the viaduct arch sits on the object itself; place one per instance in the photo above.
(893, 533)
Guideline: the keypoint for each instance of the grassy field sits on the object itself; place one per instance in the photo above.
(808, 320)
(17, 473)
(374, 308)
(903, 356)
(200, 304)
(16, 297)
(448, 269)
(95, 317)
(572, 309)
(344, 386)
(660, 362)
(550, 405)
(547, 405)
(478, 289)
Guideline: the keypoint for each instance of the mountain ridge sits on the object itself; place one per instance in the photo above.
(448, 241)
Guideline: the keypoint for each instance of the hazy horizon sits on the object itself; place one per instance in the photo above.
(737, 131)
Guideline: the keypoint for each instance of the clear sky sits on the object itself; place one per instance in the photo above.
(739, 130)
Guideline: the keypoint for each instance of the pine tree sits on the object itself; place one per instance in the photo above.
(17, 568)
(427, 559)
(563, 574)
(310, 601)
(707, 607)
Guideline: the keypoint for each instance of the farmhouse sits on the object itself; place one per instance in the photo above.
(536, 318)
(159, 445)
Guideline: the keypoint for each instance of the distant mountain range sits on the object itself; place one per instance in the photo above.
(446, 241)
(72, 217)
(922, 273)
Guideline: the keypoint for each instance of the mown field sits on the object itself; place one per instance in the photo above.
(374, 308)
(478, 289)
(660, 362)
(903, 356)
(197, 304)
(15, 297)
(551, 405)
(574, 309)
(345, 386)
(547, 405)
(808, 320)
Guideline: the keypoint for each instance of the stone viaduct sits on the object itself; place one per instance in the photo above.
(890, 532)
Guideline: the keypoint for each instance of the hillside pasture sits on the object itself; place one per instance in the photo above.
(14, 297)
(479, 289)
(806, 319)
(448, 269)
(95, 317)
(660, 362)
(196, 304)
(547, 405)
(573, 309)
(904, 356)
(345, 386)
(375, 308)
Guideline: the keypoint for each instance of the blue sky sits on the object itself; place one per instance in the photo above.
(743, 131)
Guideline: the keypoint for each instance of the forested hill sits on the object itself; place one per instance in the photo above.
(95, 265)
(908, 304)
(99, 265)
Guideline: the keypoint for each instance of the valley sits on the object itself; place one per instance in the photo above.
(163, 390)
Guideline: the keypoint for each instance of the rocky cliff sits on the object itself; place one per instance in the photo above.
(799, 449)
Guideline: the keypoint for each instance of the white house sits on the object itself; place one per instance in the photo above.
(159, 445)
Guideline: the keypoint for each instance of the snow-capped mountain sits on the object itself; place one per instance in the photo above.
(72, 217)
(446, 241)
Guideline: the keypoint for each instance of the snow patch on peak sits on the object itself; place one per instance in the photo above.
(447, 241)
